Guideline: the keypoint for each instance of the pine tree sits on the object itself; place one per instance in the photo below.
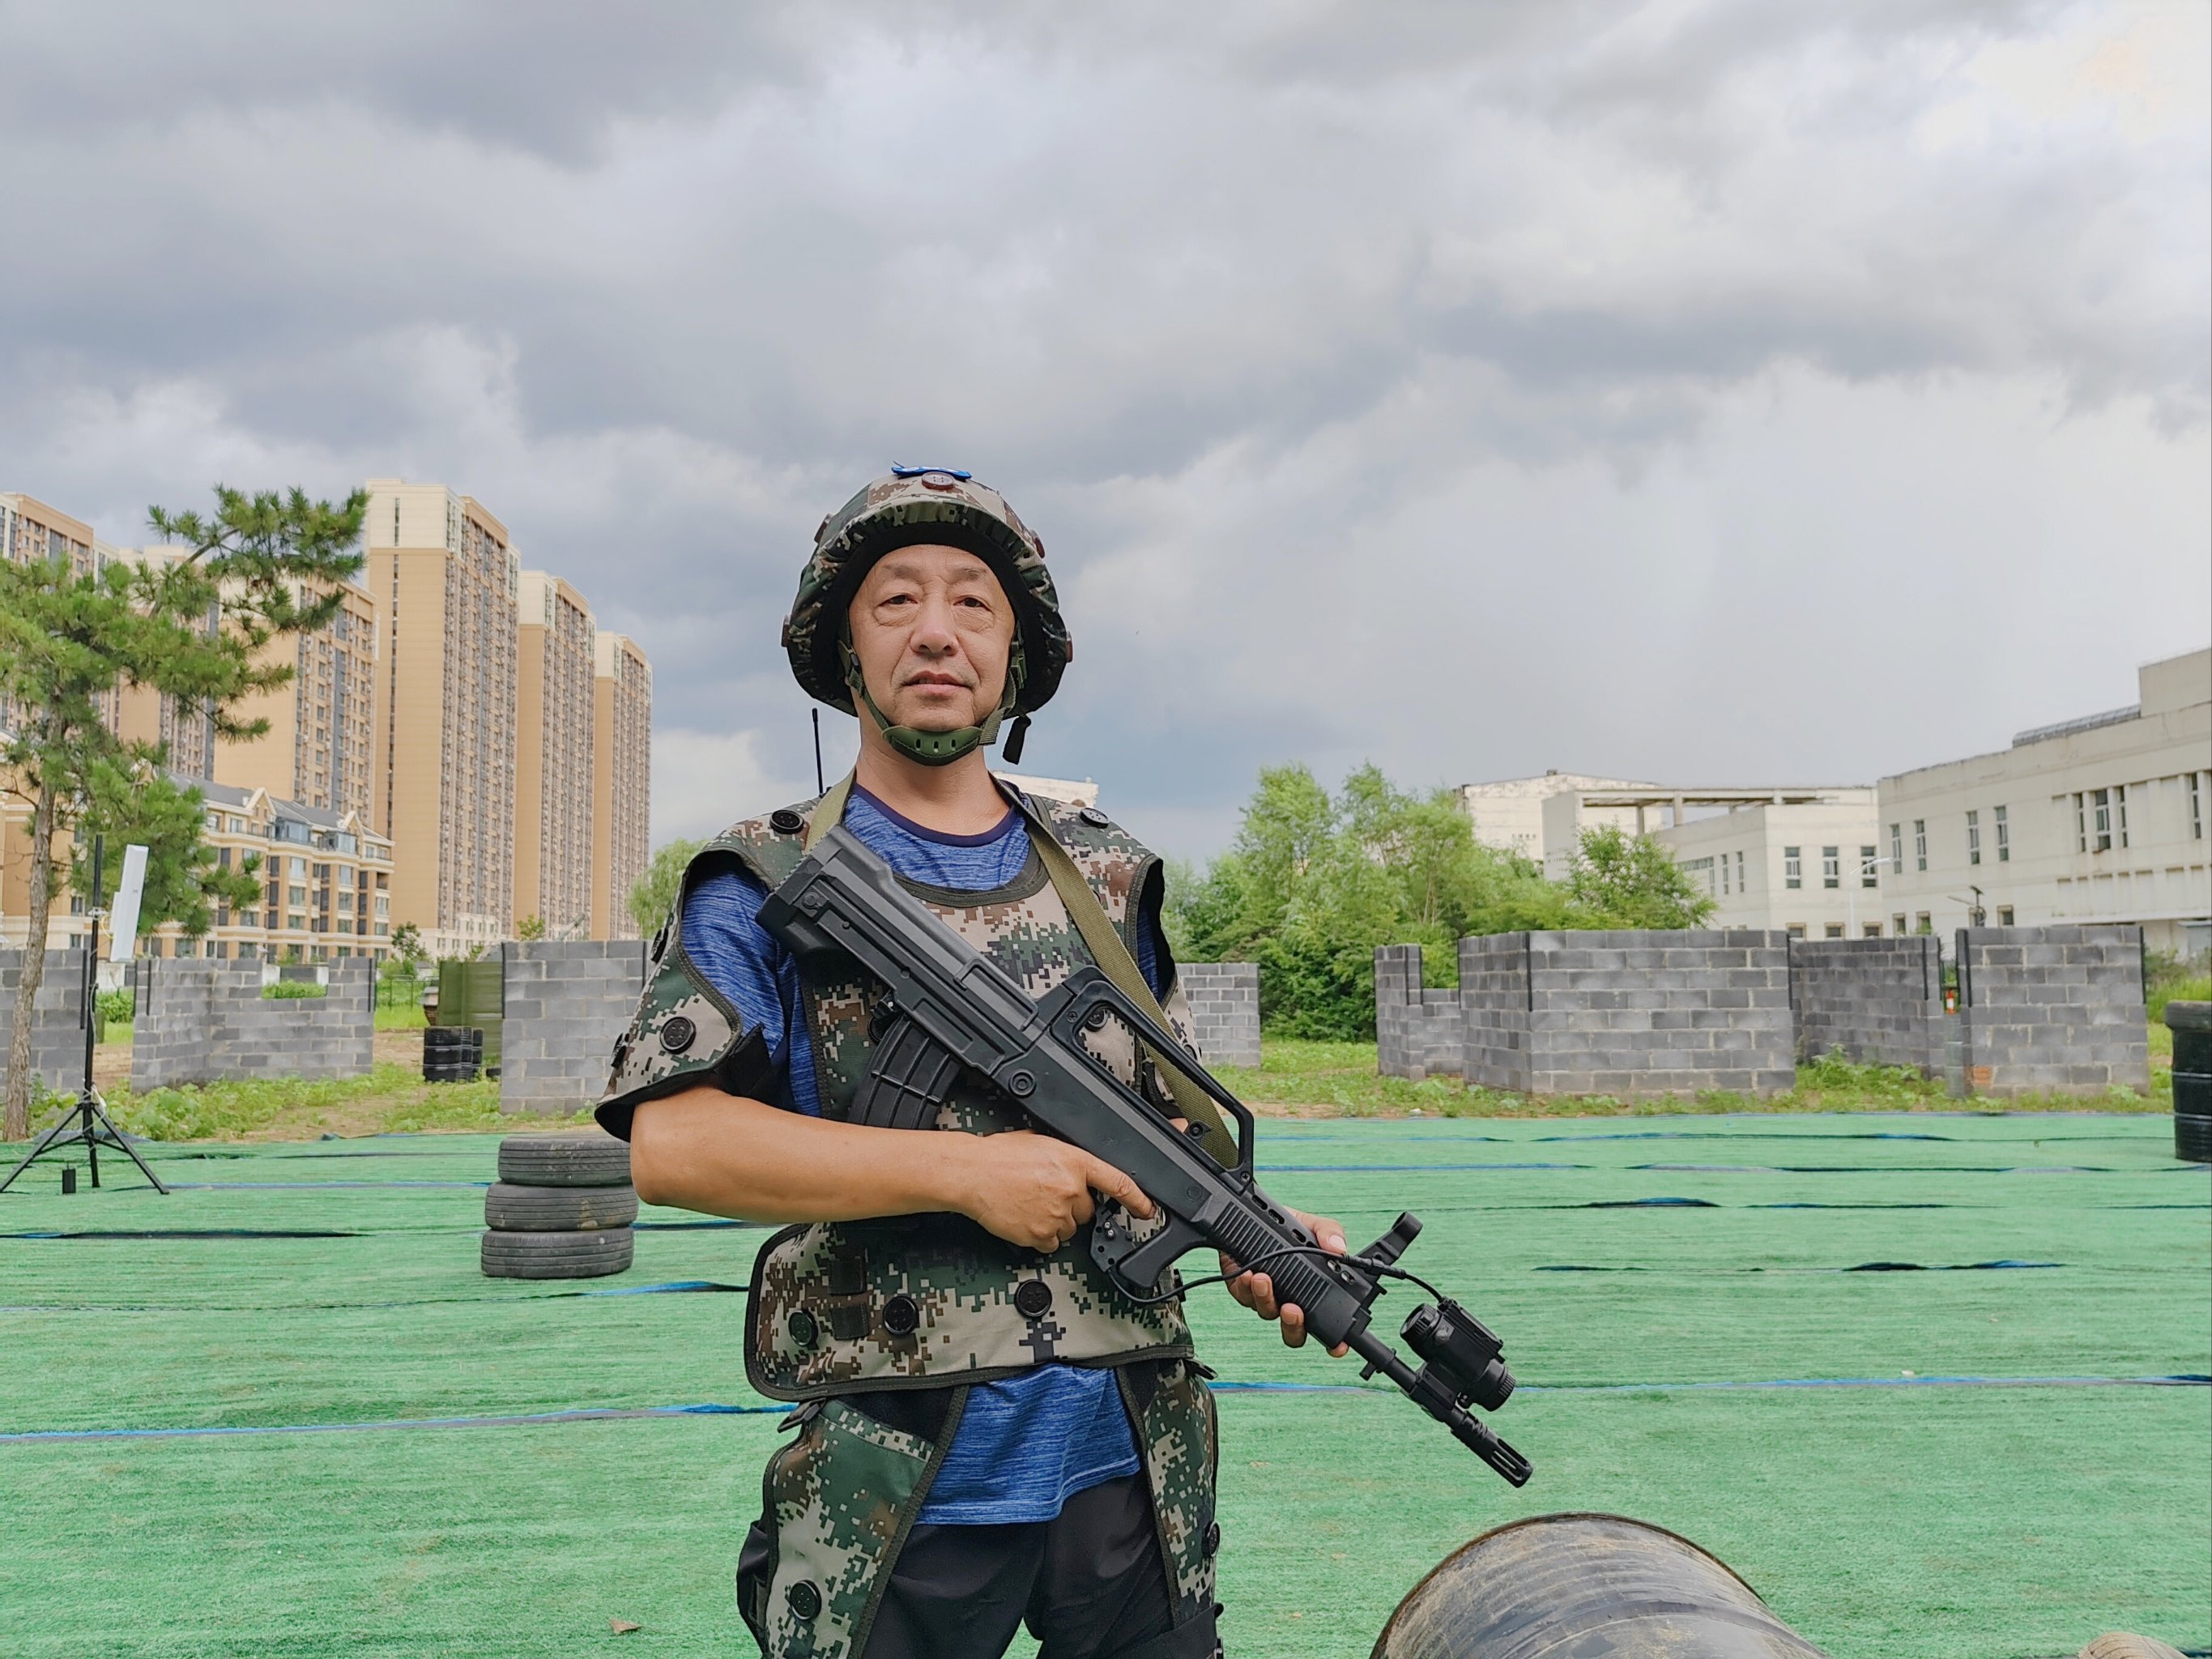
(194, 627)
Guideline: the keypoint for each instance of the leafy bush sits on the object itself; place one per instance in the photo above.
(117, 1007)
(289, 990)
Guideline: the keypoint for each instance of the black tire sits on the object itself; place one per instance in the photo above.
(457, 1071)
(593, 1159)
(517, 1209)
(2192, 1094)
(556, 1255)
(2192, 1138)
(450, 1038)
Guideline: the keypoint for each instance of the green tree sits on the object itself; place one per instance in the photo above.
(530, 928)
(407, 945)
(1620, 880)
(193, 627)
(138, 802)
(655, 894)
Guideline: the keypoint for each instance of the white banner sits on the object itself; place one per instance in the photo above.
(124, 918)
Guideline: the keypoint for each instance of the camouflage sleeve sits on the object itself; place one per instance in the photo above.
(685, 1033)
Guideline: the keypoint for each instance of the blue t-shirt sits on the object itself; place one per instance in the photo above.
(1027, 1442)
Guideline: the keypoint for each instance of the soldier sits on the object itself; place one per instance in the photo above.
(986, 1431)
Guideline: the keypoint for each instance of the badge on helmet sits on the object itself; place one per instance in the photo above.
(906, 507)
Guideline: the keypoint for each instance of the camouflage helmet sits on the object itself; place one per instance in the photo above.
(939, 505)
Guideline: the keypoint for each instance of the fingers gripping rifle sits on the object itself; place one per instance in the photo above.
(954, 1009)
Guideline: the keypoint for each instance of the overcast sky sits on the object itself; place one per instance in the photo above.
(1722, 392)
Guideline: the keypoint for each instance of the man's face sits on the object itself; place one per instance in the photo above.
(934, 631)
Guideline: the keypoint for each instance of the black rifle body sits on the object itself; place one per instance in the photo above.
(955, 1009)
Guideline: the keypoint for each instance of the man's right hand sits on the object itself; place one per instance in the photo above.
(1033, 1190)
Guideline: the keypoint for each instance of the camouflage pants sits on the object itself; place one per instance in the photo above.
(839, 1503)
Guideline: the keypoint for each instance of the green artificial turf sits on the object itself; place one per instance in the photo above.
(1898, 1517)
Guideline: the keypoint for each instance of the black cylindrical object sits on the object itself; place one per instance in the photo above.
(2191, 1025)
(1586, 1585)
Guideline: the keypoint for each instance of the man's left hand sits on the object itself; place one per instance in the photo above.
(1257, 1290)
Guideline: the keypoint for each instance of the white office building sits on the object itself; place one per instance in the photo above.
(1804, 861)
(2102, 818)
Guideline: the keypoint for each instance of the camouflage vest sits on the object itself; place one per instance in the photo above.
(842, 1309)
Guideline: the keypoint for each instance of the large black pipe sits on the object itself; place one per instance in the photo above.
(1585, 1587)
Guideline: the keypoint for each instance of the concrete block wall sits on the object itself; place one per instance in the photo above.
(207, 1022)
(2055, 1007)
(1225, 1006)
(1417, 1029)
(1877, 1001)
(57, 1018)
(566, 1001)
(1637, 1014)
(1629, 1014)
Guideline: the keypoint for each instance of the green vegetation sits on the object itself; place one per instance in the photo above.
(295, 990)
(1338, 1078)
(195, 629)
(393, 1099)
(1313, 883)
(654, 896)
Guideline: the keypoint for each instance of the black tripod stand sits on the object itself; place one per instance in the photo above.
(87, 1124)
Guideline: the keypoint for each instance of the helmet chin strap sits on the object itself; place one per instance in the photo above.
(940, 748)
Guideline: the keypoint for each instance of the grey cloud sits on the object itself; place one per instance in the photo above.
(1215, 293)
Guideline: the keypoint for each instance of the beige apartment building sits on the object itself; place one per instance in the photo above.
(555, 706)
(320, 748)
(445, 579)
(325, 876)
(621, 781)
(2103, 819)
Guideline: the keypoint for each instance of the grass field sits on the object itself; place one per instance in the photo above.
(1888, 1366)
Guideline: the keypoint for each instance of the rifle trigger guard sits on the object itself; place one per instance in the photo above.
(1138, 1267)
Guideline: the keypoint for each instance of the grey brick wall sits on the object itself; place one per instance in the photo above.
(2057, 1007)
(1878, 1001)
(1417, 1029)
(1634, 1015)
(57, 1018)
(1225, 1006)
(207, 1022)
(567, 1002)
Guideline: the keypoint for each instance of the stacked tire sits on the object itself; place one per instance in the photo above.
(452, 1053)
(561, 1209)
(2191, 1025)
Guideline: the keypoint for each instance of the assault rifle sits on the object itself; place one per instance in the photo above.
(951, 1009)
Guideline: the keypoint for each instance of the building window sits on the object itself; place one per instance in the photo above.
(1923, 923)
(1869, 871)
(1724, 873)
(1896, 925)
(1740, 887)
(1697, 867)
(2120, 812)
(1920, 844)
(1897, 847)
(1793, 866)
(1834, 930)
(2197, 806)
(2004, 834)
(1832, 866)
(1872, 929)
(2101, 820)
(2004, 915)
(2080, 826)
(1796, 930)
(1974, 837)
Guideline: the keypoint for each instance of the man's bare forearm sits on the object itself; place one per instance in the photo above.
(727, 1155)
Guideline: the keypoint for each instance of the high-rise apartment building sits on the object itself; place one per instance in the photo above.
(622, 782)
(445, 580)
(320, 748)
(556, 674)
